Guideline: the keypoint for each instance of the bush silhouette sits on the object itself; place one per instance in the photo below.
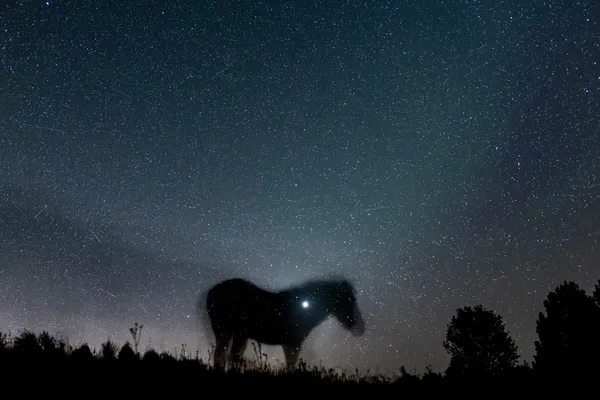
(479, 344)
(127, 355)
(151, 358)
(82, 355)
(109, 351)
(51, 345)
(569, 333)
(26, 344)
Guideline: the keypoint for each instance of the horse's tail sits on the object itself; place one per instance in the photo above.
(203, 317)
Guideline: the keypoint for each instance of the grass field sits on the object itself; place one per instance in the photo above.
(43, 350)
(48, 353)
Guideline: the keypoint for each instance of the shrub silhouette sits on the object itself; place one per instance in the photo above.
(430, 376)
(109, 351)
(151, 358)
(127, 356)
(479, 344)
(569, 333)
(51, 345)
(83, 355)
(26, 344)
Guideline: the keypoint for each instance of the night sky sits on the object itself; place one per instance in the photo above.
(439, 153)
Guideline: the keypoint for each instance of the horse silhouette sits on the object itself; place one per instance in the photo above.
(238, 311)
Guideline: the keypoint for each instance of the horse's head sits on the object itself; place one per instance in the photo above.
(345, 307)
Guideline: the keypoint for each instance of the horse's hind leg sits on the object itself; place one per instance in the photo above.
(291, 352)
(220, 354)
(238, 348)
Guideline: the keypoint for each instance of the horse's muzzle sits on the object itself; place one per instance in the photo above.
(358, 330)
(359, 327)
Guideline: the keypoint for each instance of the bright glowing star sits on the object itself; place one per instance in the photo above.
(305, 304)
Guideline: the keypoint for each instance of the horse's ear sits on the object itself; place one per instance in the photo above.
(345, 285)
(350, 284)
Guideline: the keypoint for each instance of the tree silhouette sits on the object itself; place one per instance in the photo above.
(596, 293)
(478, 343)
(569, 332)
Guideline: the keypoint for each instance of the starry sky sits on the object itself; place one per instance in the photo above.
(438, 153)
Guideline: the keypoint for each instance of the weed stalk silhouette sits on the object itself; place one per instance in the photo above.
(136, 333)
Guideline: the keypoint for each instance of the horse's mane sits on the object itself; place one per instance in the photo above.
(318, 284)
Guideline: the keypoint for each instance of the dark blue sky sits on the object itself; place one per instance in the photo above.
(441, 154)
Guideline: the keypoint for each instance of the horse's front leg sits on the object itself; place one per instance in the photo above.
(291, 352)
(220, 354)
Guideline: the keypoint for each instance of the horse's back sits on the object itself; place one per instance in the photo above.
(232, 296)
(239, 306)
(235, 287)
